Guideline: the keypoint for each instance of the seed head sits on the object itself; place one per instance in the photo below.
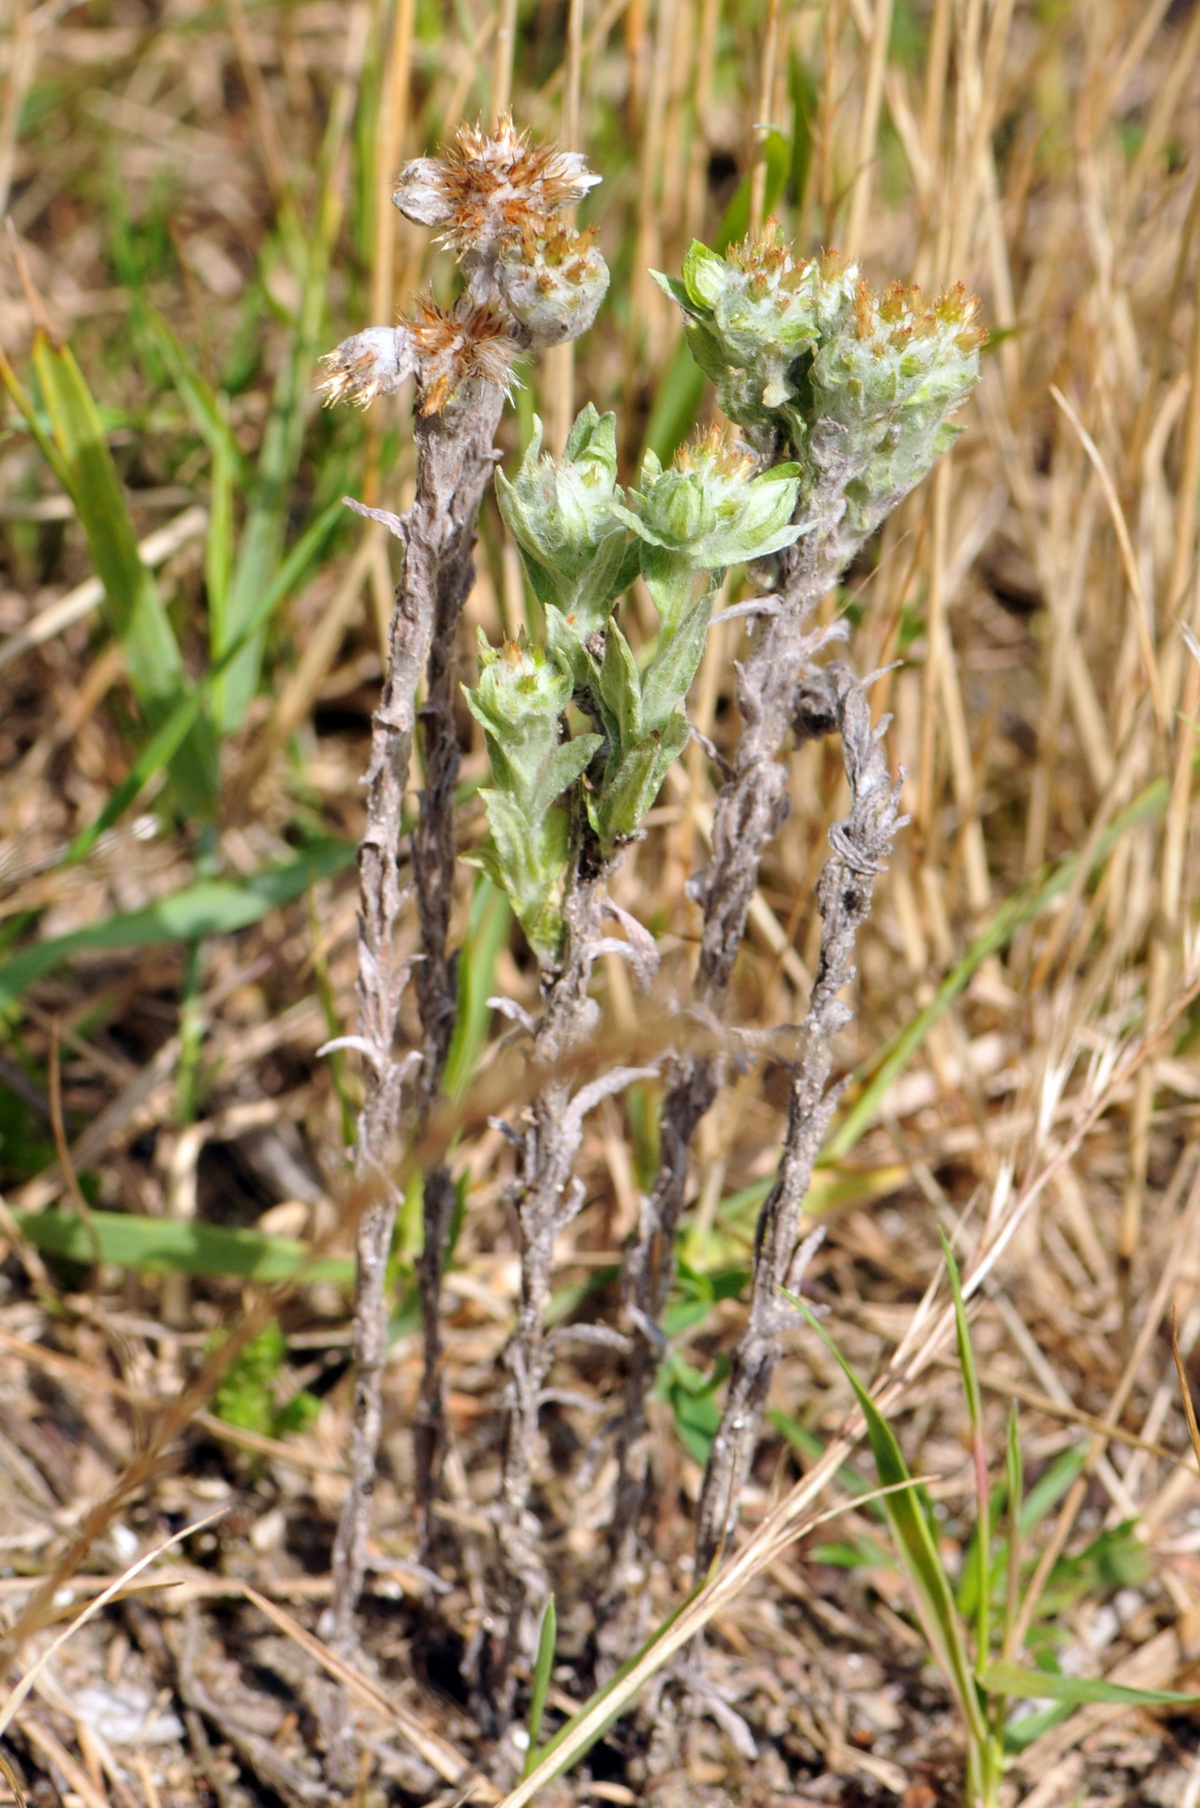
(486, 190)
(470, 342)
(368, 365)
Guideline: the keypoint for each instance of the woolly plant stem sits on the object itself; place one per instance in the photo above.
(750, 809)
(547, 1199)
(455, 460)
(832, 700)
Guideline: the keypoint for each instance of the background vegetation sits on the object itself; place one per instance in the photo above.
(201, 204)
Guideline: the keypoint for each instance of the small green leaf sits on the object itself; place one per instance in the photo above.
(210, 907)
(542, 1666)
(620, 689)
(668, 677)
(158, 1245)
(1006, 1678)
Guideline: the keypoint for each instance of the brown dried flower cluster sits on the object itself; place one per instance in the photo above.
(491, 189)
(468, 343)
(442, 348)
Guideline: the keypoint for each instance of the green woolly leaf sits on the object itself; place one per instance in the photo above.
(568, 761)
(620, 689)
(666, 681)
(704, 277)
(672, 287)
(630, 786)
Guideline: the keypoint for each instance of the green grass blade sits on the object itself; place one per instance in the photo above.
(982, 1546)
(909, 1516)
(210, 907)
(543, 1663)
(491, 918)
(158, 751)
(1007, 1678)
(1014, 1464)
(158, 1245)
(134, 608)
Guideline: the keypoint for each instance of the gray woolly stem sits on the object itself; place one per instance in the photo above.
(456, 458)
(547, 1197)
(831, 700)
(750, 809)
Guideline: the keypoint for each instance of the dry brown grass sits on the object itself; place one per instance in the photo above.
(1035, 591)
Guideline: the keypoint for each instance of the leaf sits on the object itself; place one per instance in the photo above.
(620, 689)
(667, 678)
(133, 607)
(542, 1666)
(157, 1245)
(567, 761)
(909, 1516)
(210, 907)
(486, 936)
(1006, 1678)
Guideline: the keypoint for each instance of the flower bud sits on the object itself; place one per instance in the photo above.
(554, 284)
(559, 512)
(519, 702)
(753, 315)
(887, 381)
(519, 686)
(710, 507)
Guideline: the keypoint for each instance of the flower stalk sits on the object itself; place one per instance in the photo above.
(496, 196)
(855, 389)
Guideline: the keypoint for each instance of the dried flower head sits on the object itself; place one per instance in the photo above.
(442, 349)
(488, 189)
(368, 365)
(469, 342)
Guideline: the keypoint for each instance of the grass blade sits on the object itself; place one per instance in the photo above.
(1006, 1678)
(491, 919)
(134, 608)
(210, 907)
(161, 746)
(982, 1548)
(908, 1514)
(543, 1663)
(169, 1245)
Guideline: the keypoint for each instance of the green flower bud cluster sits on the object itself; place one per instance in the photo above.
(583, 541)
(859, 385)
(706, 512)
(754, 316)
(520, 700)
(576, 553)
